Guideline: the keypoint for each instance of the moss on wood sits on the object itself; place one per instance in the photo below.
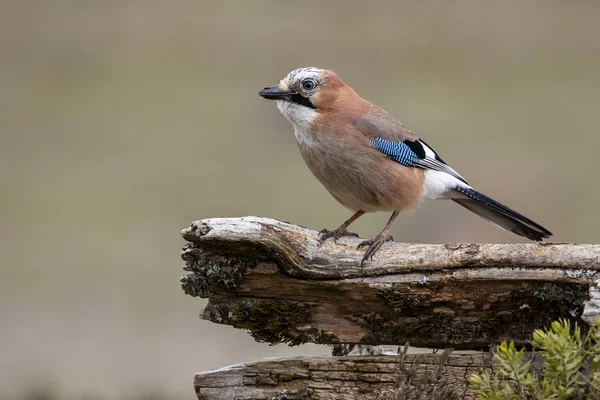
(524, 309)
(212, 273)
(277, 322)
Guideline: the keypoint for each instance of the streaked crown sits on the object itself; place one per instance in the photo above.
(305, 81)
(304, 93)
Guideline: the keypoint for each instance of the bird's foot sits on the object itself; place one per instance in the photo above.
(374, 245)
(335, 234)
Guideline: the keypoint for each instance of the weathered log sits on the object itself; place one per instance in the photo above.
(360, 377)
(274, 280)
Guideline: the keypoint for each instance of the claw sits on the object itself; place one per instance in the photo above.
(374, 245)
(335, 234)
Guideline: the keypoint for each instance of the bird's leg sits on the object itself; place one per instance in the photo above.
(375, 243)
(341, 230)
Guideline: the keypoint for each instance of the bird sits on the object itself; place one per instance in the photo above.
(370, 162)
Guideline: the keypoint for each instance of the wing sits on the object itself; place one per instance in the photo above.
(391, 138)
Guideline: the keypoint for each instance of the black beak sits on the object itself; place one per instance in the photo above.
(273, 93)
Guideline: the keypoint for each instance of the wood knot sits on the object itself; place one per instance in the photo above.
(200, 228)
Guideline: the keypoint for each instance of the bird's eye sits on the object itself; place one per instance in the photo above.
(308, 84)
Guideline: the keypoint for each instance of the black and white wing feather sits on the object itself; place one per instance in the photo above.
(414, 153)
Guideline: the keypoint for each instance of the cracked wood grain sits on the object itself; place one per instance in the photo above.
(329, 378)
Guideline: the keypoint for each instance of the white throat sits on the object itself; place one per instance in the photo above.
(301, 118)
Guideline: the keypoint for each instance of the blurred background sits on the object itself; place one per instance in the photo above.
(123, 121)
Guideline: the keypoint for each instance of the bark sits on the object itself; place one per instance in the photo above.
(360, 377)
(274, 280)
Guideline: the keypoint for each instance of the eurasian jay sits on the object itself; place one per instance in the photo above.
(368, 161)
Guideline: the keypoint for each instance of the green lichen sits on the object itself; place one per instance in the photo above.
(211, 273)
(397, 300)
(533, 308)
(413, 329)
(277, 322)
(314, 335)
(552, 301)
(489, 322)
(515, 316)
(565, 299)
(220, 313)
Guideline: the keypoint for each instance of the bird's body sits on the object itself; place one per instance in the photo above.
(344, 161)
(368, 161)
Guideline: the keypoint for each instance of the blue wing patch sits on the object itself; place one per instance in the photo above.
(408, 155)
(397, 151)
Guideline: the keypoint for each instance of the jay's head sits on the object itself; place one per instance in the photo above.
(304, 93)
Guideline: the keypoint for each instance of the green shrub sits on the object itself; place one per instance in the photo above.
(571, 367)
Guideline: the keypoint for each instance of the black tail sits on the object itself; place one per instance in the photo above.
(500, 215)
